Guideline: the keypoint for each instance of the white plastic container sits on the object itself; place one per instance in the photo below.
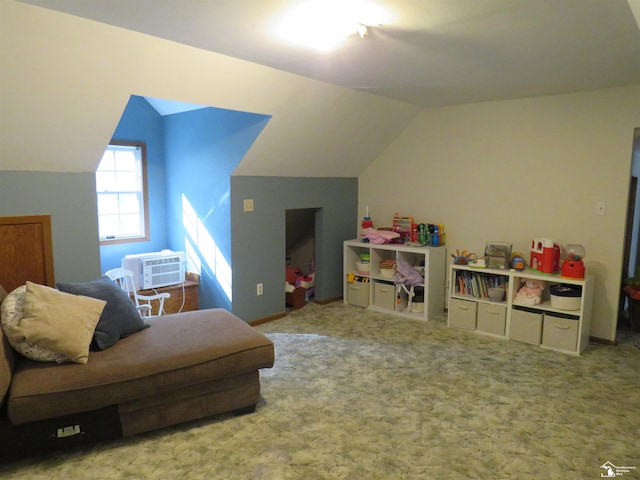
(387, 272)
(565, 297)
(363, 268)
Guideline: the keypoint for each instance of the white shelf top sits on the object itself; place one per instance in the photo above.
(393, 246)
(526, 273)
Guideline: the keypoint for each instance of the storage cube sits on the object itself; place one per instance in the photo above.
(525, 326)
(358, 294)
(492, 318)
(384, 295)
(462, 314)
(559, 332)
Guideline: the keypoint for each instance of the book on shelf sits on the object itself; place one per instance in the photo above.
(477, 284)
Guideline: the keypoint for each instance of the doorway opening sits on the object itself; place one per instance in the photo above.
(300, 256)
(631, 263)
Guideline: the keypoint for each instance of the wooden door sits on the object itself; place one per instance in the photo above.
(26, 251)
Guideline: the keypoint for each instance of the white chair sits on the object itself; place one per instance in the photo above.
(124, 278)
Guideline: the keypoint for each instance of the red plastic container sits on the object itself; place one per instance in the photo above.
(573, 269)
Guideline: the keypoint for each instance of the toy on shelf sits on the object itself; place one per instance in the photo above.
(416, 234)
(436, 235)
(387, 267)
(403, 227)
(422, 234)
(545, 255)
(498, 255)
(573, 265)
(407, 278)
(366, 223)
(517, 261)
(530, 293)
(379, 237)
(462, 258)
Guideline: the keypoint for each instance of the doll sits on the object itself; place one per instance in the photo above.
(530, 293)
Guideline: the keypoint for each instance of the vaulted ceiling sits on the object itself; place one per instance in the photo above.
(68, 67)
(427, 52)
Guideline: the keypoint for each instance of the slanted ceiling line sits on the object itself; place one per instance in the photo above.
(635, 9)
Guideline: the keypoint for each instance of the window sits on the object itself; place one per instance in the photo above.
(121, 186)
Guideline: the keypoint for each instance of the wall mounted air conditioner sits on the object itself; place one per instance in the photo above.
(154, 270)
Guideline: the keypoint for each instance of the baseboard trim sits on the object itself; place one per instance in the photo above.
(603, 341)
(268, 319)
(271, 318)
(327, 301)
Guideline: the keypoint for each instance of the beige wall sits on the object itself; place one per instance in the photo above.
(66, 80)
(514, 170)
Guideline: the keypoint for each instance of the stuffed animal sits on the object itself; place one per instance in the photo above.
(295, 278)
(530, 293)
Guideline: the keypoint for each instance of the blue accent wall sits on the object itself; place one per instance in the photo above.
(140, 122)
(196, 206)
(259, 237)
(203, 147)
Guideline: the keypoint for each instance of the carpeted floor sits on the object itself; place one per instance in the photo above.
(362, 395)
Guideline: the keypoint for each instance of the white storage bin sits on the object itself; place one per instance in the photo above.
(560, 333)
(526, 326)
(462, 314)
(358, 294)
(384, 295)
(492, 318)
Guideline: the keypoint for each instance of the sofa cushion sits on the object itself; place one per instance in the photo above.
(178, 351)
(12, 313)
(120, 316)
(59, 321)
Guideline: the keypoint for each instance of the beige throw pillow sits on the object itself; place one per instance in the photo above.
(58, 321)
(11, 313)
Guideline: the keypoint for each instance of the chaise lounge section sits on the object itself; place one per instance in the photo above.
(183, 367)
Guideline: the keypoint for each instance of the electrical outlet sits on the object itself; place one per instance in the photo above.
(259, 289)
(248, 204)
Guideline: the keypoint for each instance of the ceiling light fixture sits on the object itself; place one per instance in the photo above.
(325, 24)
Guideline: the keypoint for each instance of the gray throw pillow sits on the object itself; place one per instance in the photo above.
(120, 316)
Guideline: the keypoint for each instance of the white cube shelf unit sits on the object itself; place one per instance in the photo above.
(378, 292)
(566, 331)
